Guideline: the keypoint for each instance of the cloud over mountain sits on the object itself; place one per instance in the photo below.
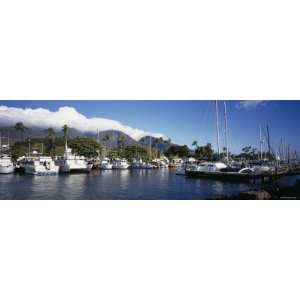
(45, 118)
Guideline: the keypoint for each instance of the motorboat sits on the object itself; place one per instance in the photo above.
(71, 163)
(180, 171)
(121, 164)
(43, 165)
(105, 164)
(6, 165)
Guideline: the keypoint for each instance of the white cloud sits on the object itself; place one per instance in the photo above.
(45, 118)
(250, 104)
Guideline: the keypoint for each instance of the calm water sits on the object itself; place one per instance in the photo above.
(116, 184)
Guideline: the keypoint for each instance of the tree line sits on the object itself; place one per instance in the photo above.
(53, 145)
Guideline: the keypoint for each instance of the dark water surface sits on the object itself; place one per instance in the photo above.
(116, 184)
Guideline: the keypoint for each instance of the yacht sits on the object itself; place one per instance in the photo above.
(105, 164)
(71, 163)
(43, 165)
(6, 165)
(121, 164)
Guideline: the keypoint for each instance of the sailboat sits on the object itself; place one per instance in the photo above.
(218, 169)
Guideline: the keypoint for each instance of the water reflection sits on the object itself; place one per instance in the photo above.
(118, 184)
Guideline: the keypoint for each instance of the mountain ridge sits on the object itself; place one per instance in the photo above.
(111, 138)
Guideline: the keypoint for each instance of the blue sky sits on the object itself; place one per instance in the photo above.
(186, 121)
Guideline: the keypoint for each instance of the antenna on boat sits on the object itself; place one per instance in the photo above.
(226, 132)
(217, 124)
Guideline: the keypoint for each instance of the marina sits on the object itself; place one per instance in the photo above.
(109, 164)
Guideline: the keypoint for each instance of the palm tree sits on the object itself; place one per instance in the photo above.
(65, 130)
(51, 137)
(19, 127)
(195, 144)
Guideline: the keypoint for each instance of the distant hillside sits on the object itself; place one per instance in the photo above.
(156, 143)
(110, 138)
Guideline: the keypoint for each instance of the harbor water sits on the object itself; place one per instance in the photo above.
(157, 184)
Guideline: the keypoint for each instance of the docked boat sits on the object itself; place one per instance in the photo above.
(121, 164)
(149, 165)
(137, 164)
(219, 171)
(176, 163)
(190, 163)
(180, 171)
(160, 163)
(71, 163)
(6, 165)
(43, 165)
(105, 164)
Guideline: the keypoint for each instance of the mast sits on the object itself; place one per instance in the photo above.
(260, 143)
(269, 145)
(29, 150)
(8, 146)
(226, 132)
(150, 144)
(98, 142)
(0, 143)
(217, 125)
(98, 137)
(66, 142)
(280, 150)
